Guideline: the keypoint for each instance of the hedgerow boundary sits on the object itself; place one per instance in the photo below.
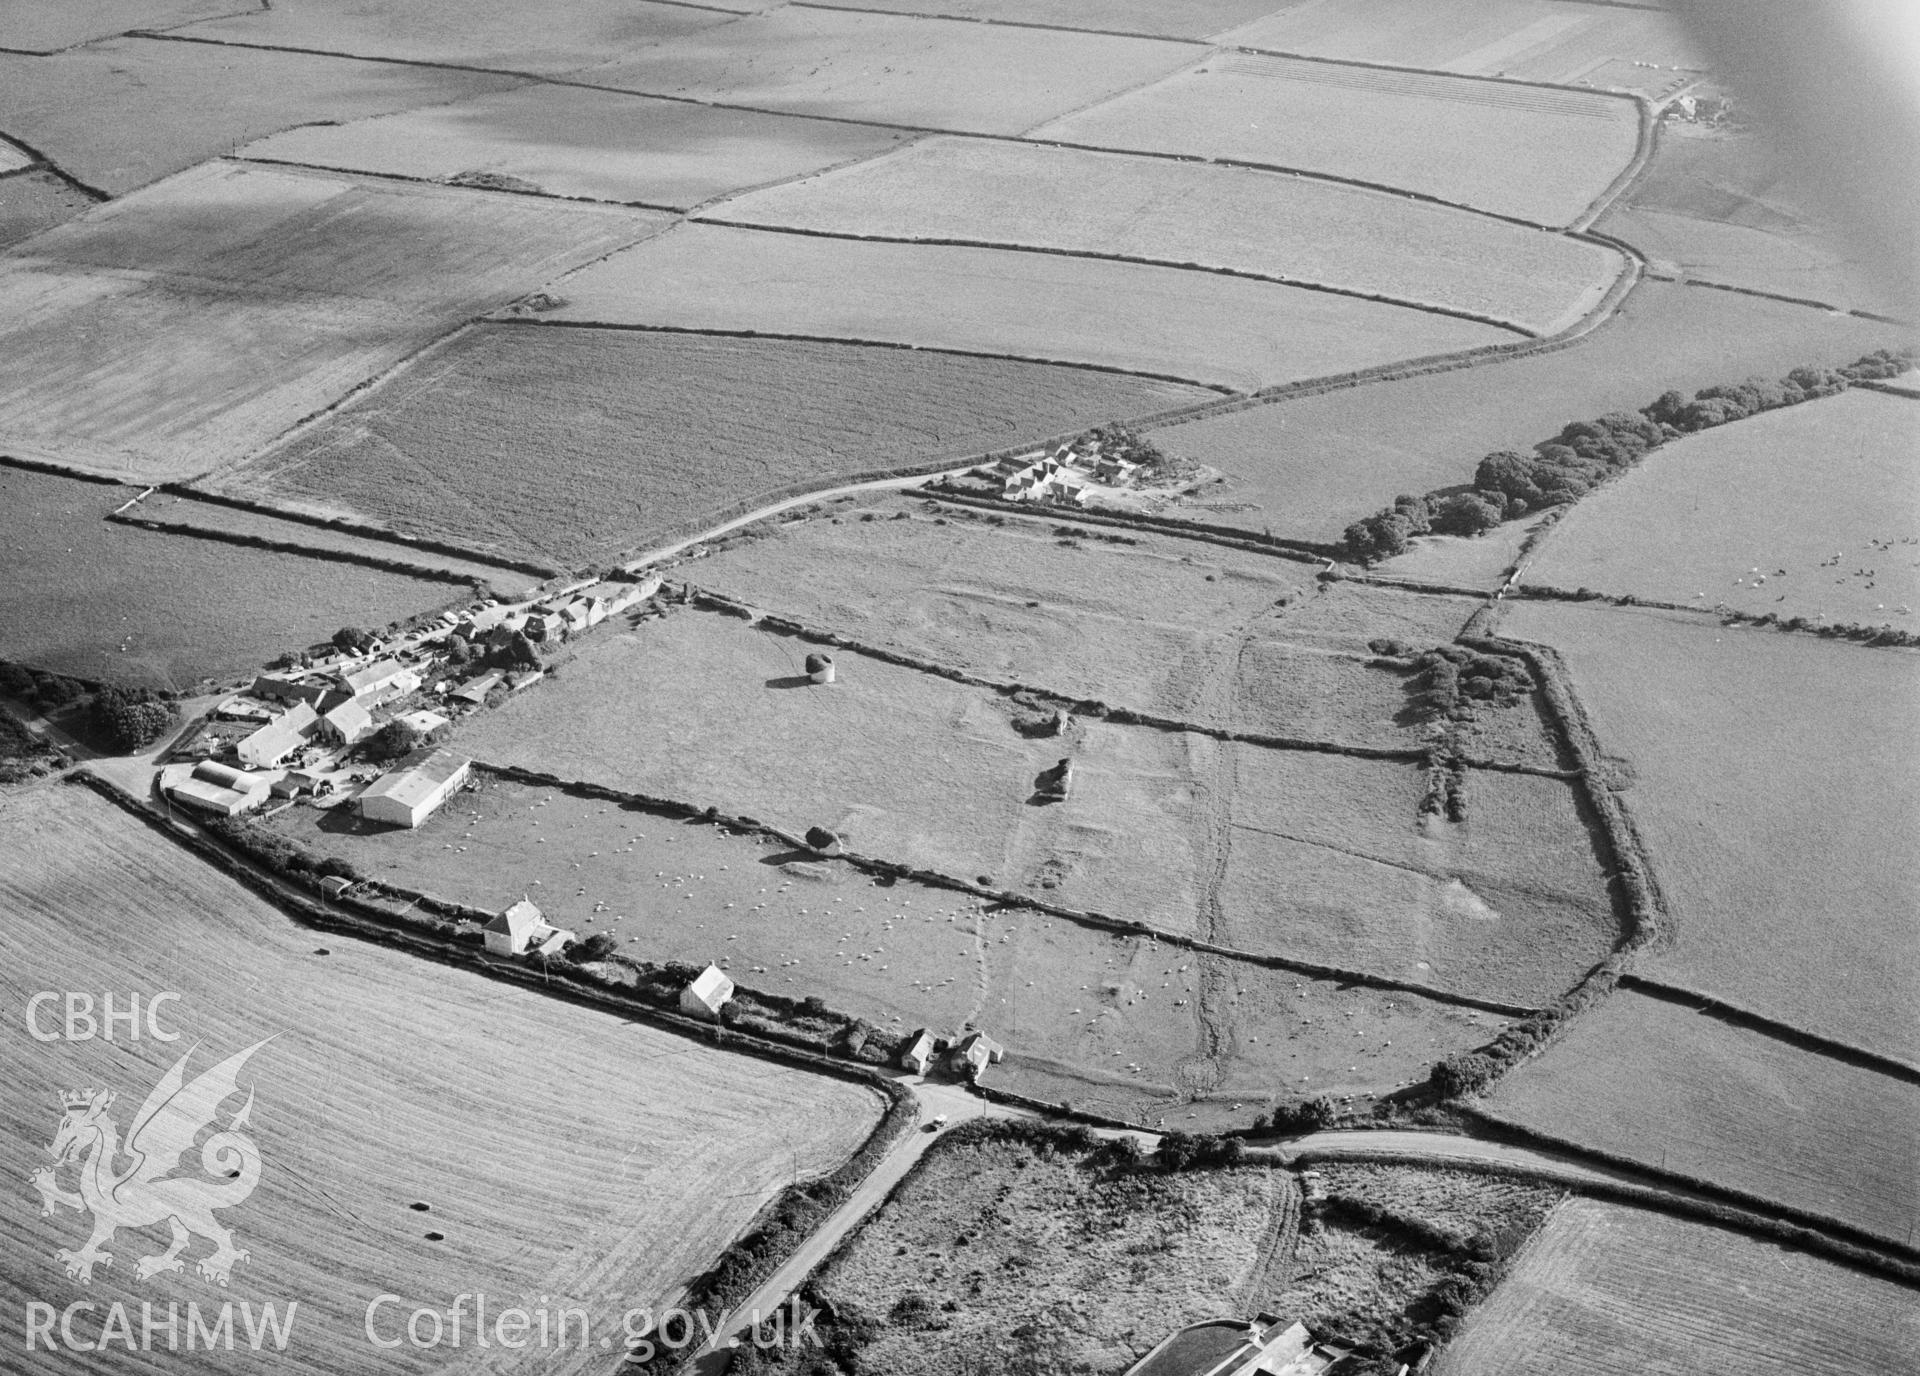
(433, 573)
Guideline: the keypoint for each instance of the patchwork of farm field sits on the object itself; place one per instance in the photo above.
(1808, 511)
(491, 441)
(1248, 221)
(178, 104)
(1663, 1085)
(1621, 47)
(1537, 155)
(1329, 858)
(1121, 1024)
(84, 597)
(1604, 1290)
(46, 29)
(34, 201)
(183, 326)
(399, 1154)
(570, 141)
(1224, 332)
(1308, 467)
(1781, 825)
(1193, 19)
(894, 69)
(1718, 205)
(469, 33)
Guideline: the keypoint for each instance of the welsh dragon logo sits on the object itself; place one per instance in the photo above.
(147, 1191)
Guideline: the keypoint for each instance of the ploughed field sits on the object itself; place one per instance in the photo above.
(1239, 219)
(83, 596)
(1781, 826)
(1117, 1024)
(1538, 155)
(187, 324)
(573, 445)
(1307, 467)
(424, 1132)
(1222, 332)
(1620, 47)
(1673, 1089)
(1604, 1290)
(33, 201)
(1841, 465)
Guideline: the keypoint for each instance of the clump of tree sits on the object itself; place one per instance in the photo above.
(397, 739)
(1299, 1115)
(1449, 679)
(1117, 441)
(353, 640)
(1508, 483)
(1187, 1151)
(129, 719)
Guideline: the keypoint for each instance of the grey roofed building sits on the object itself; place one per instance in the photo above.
(279, 738)
(408, 795)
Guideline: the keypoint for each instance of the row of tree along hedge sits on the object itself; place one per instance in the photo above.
(1509, 484)
(115, 718)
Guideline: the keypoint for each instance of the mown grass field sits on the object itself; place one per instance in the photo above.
(1199, 327)
(1235, 218)
(184, 326)
(1703, 522)
(573, 445)
(34, 201)
(1535, 154)
(570, 141)
(1610, 1291)
(178, 104)
(1718, 205)
(84, 597)
(895, 69)
(1665, 1086)
(558, 1151)
(1612, 46)
(1329, 859)
(492, 33)
(1781, 825)
(1306, 468)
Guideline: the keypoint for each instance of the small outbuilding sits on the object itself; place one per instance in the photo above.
(819, 667)
(476, 691)
(378, 681)
(973, 1053)
(919, 1053)
(279, 738)
(408, 795)
(219, 789)
(708, 994)
(1056, 783)
(423, 722)
(523, 928)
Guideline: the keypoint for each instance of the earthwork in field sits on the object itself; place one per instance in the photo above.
(82, 596)
(636, 437)
(1756, 772)
(1223, 332)
(1538, 155)
(1700, 522)
(1261, 223)
(1652, 1080)
(1298, 467)
(1604, 1290)
(423, 1131)
(136, 338)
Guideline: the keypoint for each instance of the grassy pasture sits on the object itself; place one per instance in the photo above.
(490, 441)
(1668, 1087)
(1328, 859)
(1109, 1023)
(895, 69)
(1307, 467)
(1228, 217)
(1620, 47)
(1195, 19)
(34, 201)
(181, 327)
(1539, 155)
(1720, 206)
(1201, 327)
(80, 596)
(49, 28)
(1771, 779)
(13, 159)
(472, 33)
(178, 104)
(1781, 493)
(1604, 1290)
(565, 1152)
(597, 145)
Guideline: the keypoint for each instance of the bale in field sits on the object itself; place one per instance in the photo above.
(820, 668)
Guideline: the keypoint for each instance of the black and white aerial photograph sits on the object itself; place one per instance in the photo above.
(960, 687)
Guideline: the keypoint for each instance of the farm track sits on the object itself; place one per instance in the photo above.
(1274, 1263)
